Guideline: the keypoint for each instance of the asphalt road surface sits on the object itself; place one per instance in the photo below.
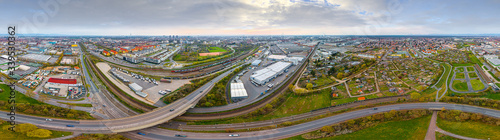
(137, 122)
(279, 133)
(107, 126)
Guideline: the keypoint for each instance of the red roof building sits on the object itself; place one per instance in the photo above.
(106, 53)
(113, 52)
(123, 50)
(62, 81)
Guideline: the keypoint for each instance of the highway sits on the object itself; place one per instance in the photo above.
(280, 133)
(113, 109)
(127, 124)
(137, 122)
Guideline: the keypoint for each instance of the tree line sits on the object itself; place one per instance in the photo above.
(186, 89)
(365, 122)
(47, 110)
(27, 129)
(459, 116)
(217, 96)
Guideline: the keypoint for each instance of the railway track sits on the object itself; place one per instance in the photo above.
(252, 107)
(114, 89)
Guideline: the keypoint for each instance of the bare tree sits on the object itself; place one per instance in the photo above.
(43, 98)
(30, 93)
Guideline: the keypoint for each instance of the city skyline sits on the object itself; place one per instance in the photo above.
(258, 17)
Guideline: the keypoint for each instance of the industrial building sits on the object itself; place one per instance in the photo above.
(490, 57)
(494, 62)
(256, 62)
(135, 87)
(36, 57)
(276, 57)
(265, 75)
(238, 91)
(294, 60)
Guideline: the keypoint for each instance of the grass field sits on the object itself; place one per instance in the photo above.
(73, 104)
(460, 69)
(459, 76)
(470, 129)
(474, 59)
(440, 136)
(494, 96)
(292, 106)
(476, 84)
(470, 69)
(216, 49)
(20, 98)
(323, 81)
(352, 99)
(7, 134)
(396, 130)
(460, 85)
(446, 74)
(472, 75)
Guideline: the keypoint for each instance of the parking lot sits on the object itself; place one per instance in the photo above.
(150, 87)
(143, 83)
(255, 91)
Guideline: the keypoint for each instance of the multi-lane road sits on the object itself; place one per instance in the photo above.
(279, 133)
(157, 133)
(137, 122)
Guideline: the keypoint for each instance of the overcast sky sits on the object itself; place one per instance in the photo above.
(252, 17)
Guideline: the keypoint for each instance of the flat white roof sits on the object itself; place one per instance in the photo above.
(277, 56)
(495, 61)
(256, 62)
(37, 57)
(270, 71)
(135, 87)
(238, 90)
(490, 56)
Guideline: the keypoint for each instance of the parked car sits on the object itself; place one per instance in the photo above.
(375, 108)
(172, 110)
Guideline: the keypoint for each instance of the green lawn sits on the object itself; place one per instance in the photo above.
(446, 74)
(216, 49)
(323, 81)
(73, 104)
(460, 85)
(472, 75)
(461, 69)
(395, 130)
(474, 59)
(293, 105)
(469, 69)
(20, 98)
(477, 84)
(460, 76)
(7, 134)
(352, 99)
(440, 136)
(494, 96)
(470, 129)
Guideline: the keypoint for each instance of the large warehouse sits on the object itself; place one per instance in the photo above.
(267, 74)
(238, 91)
